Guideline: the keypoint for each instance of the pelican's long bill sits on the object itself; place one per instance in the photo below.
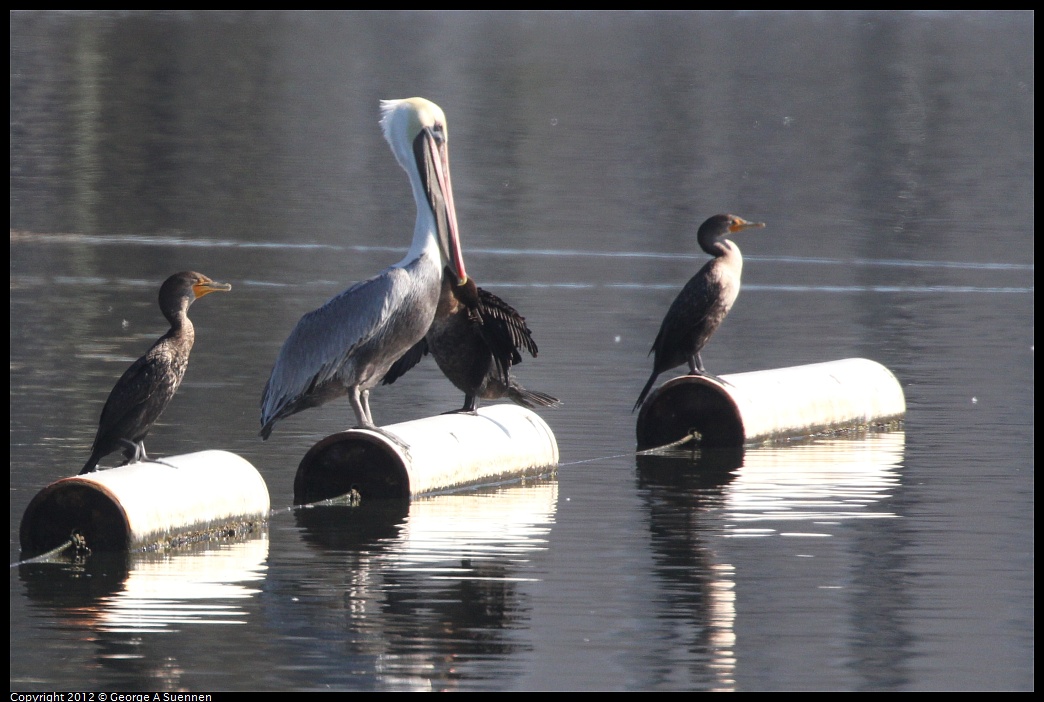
(429, 148)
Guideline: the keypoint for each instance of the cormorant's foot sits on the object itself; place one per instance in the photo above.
(145, 459)
(719, 379)
(463, 410)
(705, 374)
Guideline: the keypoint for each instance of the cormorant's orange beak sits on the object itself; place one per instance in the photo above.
(205, 287)
(739, 225)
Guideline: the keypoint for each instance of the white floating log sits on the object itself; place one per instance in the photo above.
(770, 405)
(137, 506)
(500, 443)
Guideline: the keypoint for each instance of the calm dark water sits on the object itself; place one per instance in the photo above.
(891, 156)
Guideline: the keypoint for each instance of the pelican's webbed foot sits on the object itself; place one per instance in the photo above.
(403, 446)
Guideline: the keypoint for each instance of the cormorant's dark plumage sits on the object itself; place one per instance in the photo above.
(475, 338)
(703, 303)
(146, 388)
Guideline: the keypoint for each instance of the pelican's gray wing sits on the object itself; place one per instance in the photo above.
(321, 356)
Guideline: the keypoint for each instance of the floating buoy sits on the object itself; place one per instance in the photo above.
(151, 503)
(771, 405)
(500, 442)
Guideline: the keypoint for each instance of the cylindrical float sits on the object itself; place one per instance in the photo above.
(183, 498)
(500, 442)
(770, 405)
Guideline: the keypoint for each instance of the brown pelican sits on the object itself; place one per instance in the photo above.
(703, 303)
(347, 345)
(147, 387)
(475, 338)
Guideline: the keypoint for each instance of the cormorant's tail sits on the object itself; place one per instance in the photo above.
(645, 390)
(91, 465)
(530, 398)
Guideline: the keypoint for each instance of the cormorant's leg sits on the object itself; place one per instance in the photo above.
(135, 453)
(130, 452)
(469, 405)
(695, 365)
(696, 368)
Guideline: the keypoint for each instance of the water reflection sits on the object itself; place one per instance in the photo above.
(151, 592)
(127, 616)
(489, 523)
(402, 579)
(814, 486)
(684, 490)
(486, 526)
(359, 528)
(699, 502)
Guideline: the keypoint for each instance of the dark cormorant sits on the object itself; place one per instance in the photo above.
(347, 346)
(146, 388)
(703, 303)
(475, 338)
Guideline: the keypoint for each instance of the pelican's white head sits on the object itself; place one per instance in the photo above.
(415, 129)
(403, 120)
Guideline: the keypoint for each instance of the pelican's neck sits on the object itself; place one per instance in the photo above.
(425, 231)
